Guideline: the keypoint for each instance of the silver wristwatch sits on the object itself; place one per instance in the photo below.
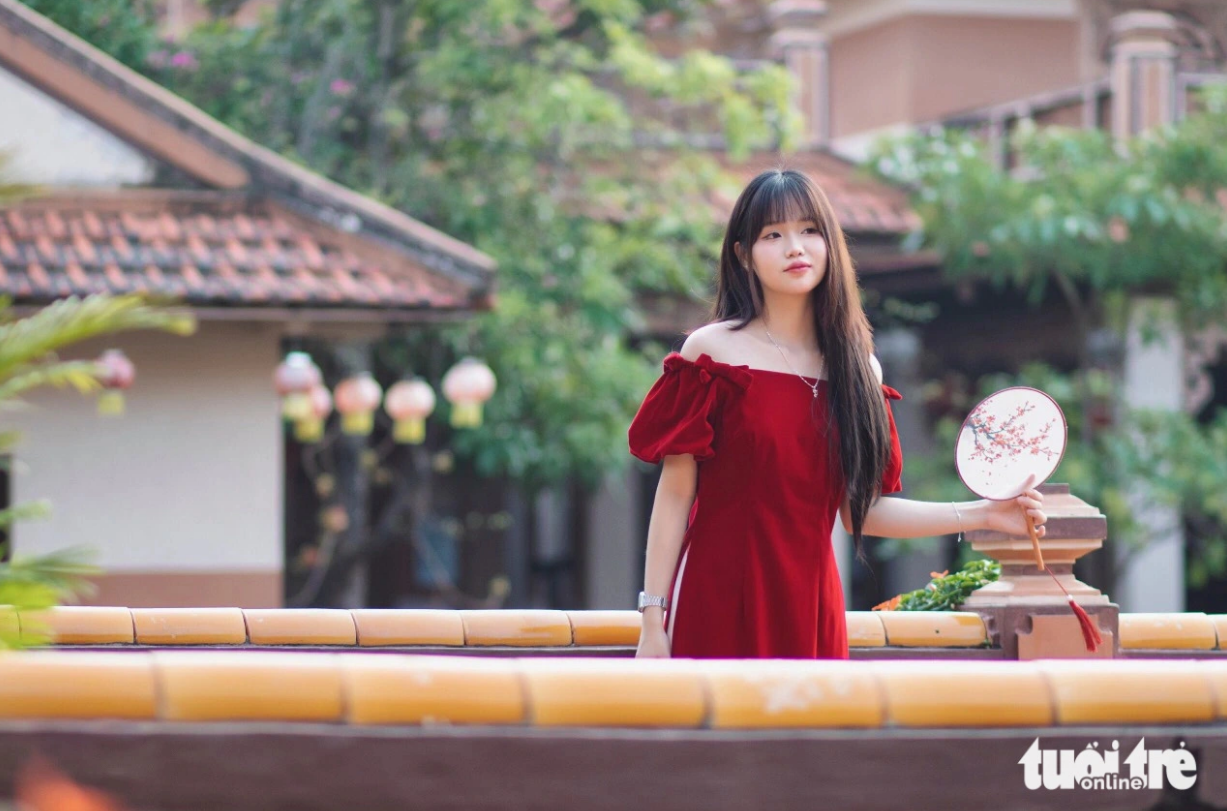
(646, 600)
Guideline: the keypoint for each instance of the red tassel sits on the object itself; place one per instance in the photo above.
(1089, 632)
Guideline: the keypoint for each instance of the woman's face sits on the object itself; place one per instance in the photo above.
(790, 257)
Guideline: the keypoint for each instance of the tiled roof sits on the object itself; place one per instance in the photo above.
(304, 238)
(207, 248)
(862, 204)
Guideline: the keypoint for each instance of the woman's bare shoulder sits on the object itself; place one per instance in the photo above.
(718, 340)
(876, 365)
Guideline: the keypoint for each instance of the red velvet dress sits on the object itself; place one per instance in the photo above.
(756, 577)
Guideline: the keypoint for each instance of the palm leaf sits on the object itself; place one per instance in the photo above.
(29, 511)
(63, 572)
(29, 340)
(81, 375)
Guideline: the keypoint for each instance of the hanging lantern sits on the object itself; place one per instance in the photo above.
(311, 427)
(356, 399)
(409, 403)
(117, 374)
(294, 379)
(468, 385)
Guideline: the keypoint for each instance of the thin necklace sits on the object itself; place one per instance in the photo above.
(814, 387)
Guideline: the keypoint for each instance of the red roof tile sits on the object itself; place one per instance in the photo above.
(203, 248)
(862, 204)
(241, 252)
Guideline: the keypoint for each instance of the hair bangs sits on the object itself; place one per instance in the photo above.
(786, 197)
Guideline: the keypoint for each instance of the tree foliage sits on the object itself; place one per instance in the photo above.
(1095, 217)
(123, 29)
(1096, 222)
(548, 134)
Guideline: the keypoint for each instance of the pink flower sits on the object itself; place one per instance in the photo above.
(184, 60)
(341, 87)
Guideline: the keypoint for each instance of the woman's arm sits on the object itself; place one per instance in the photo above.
(903, 518)
(666, 528)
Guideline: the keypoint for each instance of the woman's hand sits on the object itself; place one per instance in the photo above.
(1007, 516)
(653, 641)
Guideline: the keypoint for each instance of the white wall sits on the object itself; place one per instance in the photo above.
(49, 144)
(190, 479)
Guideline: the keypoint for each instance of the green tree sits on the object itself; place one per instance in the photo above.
(543, 133)
(123, 29)
(1095, 221)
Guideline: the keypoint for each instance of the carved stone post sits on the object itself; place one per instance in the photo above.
(1026, 613)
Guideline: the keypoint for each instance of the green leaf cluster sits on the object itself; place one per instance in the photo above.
(947, 592)
(1076, 206)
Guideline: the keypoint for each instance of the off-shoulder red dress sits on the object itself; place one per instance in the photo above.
(756, 577)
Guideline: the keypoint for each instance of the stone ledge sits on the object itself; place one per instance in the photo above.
(73, 626)
(417, 689)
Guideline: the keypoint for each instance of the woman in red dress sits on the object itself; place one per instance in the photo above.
(772, 420)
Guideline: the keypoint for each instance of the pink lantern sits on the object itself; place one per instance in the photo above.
(294, 379)
(117, 374)
(357, 398)
(467, 386)
(311, 427)
(409, 403)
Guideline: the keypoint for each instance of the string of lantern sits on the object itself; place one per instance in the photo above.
(307, 403)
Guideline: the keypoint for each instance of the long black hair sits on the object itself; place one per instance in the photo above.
(857, 409)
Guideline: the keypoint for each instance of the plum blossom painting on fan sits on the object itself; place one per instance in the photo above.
(1011, 435)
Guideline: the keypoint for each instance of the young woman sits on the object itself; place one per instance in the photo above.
(771, 420)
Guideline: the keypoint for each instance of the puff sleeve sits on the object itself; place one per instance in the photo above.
(678, 414)
(892, 479)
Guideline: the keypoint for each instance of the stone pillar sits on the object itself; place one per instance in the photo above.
(797, 42)
(1152, 579)
(1143, 56)
(1025, 611)
(1142, 61)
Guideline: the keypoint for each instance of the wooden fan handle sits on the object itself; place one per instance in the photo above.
(1035, 541)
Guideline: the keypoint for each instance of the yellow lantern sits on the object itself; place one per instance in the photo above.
(409, 403)
(311, 427)
(294, 379)
(118, 373)
(467, 386)
(356, 399)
